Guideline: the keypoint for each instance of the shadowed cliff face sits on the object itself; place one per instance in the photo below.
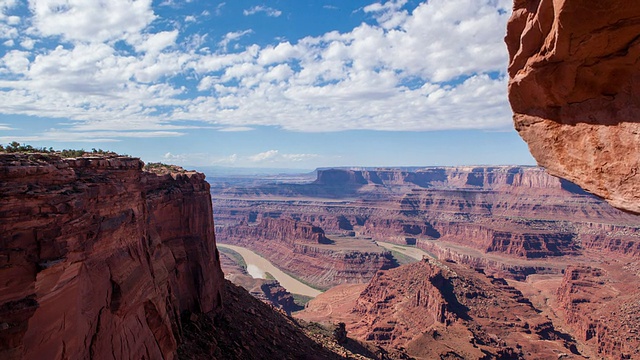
(98, 259)
(574, 84)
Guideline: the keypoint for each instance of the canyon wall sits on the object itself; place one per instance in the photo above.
(516, 211)
(303, 250)
(443, 177)
(99, 259)
(599, 313)
(574, 82)
(443, 310)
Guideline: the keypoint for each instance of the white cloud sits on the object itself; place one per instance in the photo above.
(274, 156)
(16, 61)
(236, 129)
(90, 20)
(6, 5)
(439, 66)
(265, 9)
(219, 8)
(27, 43)
(233, 36)
(90, 136)
(269, 155)
(155, 43)
(388, 15)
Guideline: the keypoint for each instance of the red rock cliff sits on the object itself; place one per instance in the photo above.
(302, 249)
(602, 310)
(98, 259)
(574, 84)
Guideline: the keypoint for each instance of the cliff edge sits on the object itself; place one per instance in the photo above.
(574, 84)
(99, 259)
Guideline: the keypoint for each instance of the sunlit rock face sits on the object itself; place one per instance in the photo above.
(99, 259)
(575, 91)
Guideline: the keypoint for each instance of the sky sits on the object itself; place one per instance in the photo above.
(277, 84)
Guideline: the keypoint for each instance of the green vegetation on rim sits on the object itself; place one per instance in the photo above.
(234, 255)
(16, 147)
(313, 286)
(158, 167)
(402, 259)
(268, 276)
(301, 300)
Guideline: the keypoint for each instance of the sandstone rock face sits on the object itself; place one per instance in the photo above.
(99, 259)
(574, 84)
(603, 310)
(302, 249)
(437, 310)
(516, 211)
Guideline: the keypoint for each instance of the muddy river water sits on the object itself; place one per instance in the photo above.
(257, 266)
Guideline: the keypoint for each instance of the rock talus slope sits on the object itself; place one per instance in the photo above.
(99, 259)
(574, 88)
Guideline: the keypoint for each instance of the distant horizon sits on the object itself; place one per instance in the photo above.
(227, 170)
(242, 84)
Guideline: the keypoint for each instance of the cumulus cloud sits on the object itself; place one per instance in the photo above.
(265, 9)
(274, 156)
(90, 20)
(439, 65)
(233, 36)
(53, 135)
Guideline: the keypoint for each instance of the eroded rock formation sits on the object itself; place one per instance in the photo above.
(612, 327)
(520, 212)
(302, 249)
(438, 310)
(99, 259)
(574, 83)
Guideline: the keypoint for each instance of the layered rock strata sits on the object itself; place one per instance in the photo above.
(302, 249)
(99, 259)
(437, 310)
(574, 82)
(602, 310)
(520, 212)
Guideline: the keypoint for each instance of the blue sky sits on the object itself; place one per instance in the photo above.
(292, 84)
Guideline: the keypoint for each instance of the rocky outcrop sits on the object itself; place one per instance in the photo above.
(517, 211)
(435, 310)
(282, 230)
(599, 313)
(94, 251)
(510, 270)
(269, 291)
(303, 250)
(443, 177)
(528, 244)
(574, 85)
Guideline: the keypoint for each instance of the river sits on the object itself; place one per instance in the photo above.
(257, 266)
(411, 251)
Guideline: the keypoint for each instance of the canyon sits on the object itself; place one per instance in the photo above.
(101, 259)
(499, 262)
(509, 229)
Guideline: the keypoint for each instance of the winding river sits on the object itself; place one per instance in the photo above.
(257, 266)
